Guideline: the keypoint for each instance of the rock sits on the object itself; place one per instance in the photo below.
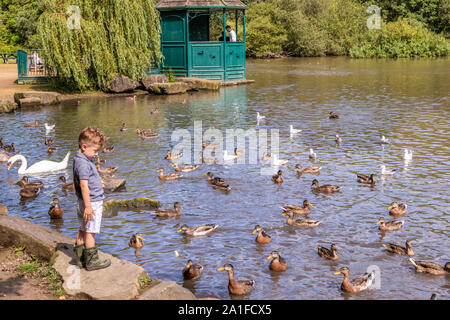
(167, 290)
(169, 88)
(46, 97)
(3, 210)
(148, 81)
(29, 102)
(122, 84)
(8, 106)
(38, 240)
(136, 203)
(113, 184)
(119, 281)
(201, 84)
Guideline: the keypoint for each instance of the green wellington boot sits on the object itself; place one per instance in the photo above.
(93, 262)
(80, 260)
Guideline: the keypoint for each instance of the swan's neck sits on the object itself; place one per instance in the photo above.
(23, 166)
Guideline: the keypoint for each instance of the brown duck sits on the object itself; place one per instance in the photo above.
(176, 211)
(55, 211)
(358, 284)
(430, 267)
(277, 177)
(234, 286)
(298, 210)
(278, 263)
(390, 225)
(65, 185)
(192, 271)
(397, 249)
(397, 209)
(330, 254)
(300, 222)
(262, 236)
(327, 188)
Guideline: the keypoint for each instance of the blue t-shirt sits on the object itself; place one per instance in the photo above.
(84, 169)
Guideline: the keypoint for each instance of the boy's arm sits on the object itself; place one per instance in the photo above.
(88, 211)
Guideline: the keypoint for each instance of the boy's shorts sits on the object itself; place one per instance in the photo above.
(92, 226)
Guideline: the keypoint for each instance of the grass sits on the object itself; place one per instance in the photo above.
(39, 269)
(144, 282)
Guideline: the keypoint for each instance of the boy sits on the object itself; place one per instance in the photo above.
(89, 190)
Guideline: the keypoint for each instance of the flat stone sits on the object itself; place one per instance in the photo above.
(169, 88)
(148, 81)
(119, 281)
(113, 184)
(167, 290)
(8, 105)
(29, 102)
(46, 97)
(122, 84)
(40, 241)
(3, 210)
(136, 203)
(201, 84)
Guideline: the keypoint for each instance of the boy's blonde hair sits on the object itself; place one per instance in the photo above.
(91, 135)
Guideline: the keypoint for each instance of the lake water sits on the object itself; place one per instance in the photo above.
(405, 100)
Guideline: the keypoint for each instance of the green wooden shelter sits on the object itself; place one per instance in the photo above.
(188, 27)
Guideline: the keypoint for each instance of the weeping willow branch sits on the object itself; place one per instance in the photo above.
(115, 38)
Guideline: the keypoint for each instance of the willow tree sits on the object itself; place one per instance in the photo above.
(90, 42)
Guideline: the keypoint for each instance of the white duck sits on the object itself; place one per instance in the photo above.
(48, 127)
(312, 154)
(278, 162)
(386, 172)
(38, 167)
(227, 156)
(384, 140)
(293, 131)
(408, 154)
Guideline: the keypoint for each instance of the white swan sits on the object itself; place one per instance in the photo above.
(278, 162)
(293, 131)
(48, 127)
(227, 156)
(408, 154)
(312, 154)
(38, 167)
(386, 172)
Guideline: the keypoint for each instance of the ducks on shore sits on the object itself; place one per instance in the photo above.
(262, 236)
(358, 284)
(234, 286)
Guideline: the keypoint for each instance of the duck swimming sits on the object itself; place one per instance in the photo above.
(234, 286)
(390, 225)
(397, 249)
(430, 267)
(358, 284)
(34, 184)
(300, 222)
(27, 192)
(184, 168)
(192, 271)
(201, 230)
(33, 124)
(170, 176)
(277, 177)
(136, 241)
(262, 236)
(330, 254)
(397, 209)
(306, 170)
(278, 263)
(176, 211)
(327, 188)
(299, 210)
(55, 211)
(362, 178)
(332, 115)
(65, 185)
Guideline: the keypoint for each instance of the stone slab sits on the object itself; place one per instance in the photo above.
(29, 102)
(46, 97)
(148, 81)
(167, 290)
(169, 88)
(3, 210)
(113, 184)
(201, 84)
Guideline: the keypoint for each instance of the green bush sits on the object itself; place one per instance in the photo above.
(400, 39)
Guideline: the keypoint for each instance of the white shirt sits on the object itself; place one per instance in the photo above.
(232, 36)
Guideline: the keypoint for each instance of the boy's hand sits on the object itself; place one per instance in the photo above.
(88, 213)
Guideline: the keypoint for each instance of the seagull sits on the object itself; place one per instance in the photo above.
(338, 139)
(312, 154)
(387, 172)
(278, 162)
(294, 131)
(383, 140)
(258, 117)
(227, 156)
(408, 154)
(48, 127)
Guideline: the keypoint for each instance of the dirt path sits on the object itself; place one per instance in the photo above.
(14, 285)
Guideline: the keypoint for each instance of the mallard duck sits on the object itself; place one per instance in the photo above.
(48, 142)
(55, 211)
(430, 267)
(132, 98)
(234, 286)
(34, 184)
(152, 136)
(338, 139)
(65, 185)
(184, 168)
(170, 176)
(170, 156)
(145, 132)
(201, 230)
(306, 170)
(300, 222)
(390, 225)
(108, 170)
(33, 124)
(192, 271)
(395, 248)
(28, 192)
(333, 115)
(362, 178)
(217, 183)
(176, 211)
(358, 284)
(154, 111)
(299, 210)
(109, 149)
(312, 155)
(397, 209)
(136, 241)
(327, 188)
(238, 153)
(330, 254)
(262, 236)
(10, 148)
(277, 177)
(278, 263)
(123, 128)
(212, 179)
(51, 149)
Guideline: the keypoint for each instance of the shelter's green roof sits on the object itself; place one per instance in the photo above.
(166, 4)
